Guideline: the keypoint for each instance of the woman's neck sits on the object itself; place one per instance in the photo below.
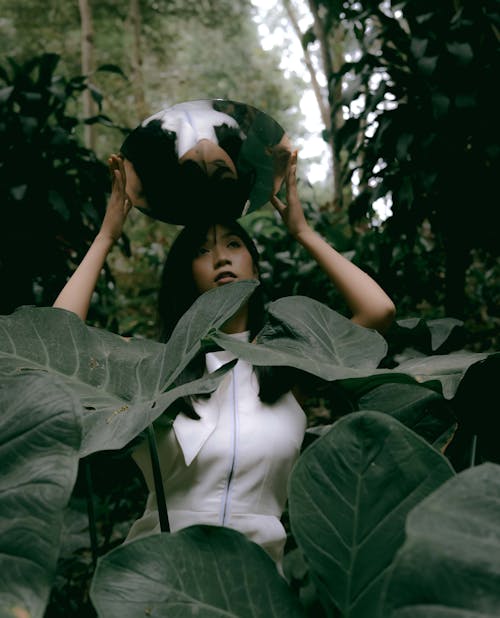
(238, 323)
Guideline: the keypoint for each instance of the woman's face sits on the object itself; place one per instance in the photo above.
(222, 258)
(211, 158)
(133, 186)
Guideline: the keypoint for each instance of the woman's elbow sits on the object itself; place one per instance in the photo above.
(384, 317)
(379, 318)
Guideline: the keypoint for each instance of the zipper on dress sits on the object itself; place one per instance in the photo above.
(234, 437)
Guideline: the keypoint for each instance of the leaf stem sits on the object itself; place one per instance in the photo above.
(160, 493)
(473, 450)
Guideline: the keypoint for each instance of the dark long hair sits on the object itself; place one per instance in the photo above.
(177, 287)
(178, 292)
(152, 151)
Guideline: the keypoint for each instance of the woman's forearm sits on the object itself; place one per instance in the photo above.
(370, 305)
(77, 293)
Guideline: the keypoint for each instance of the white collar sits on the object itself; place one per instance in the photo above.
(192, 434)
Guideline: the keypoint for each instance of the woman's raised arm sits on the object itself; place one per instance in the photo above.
(370, 305)
(77, 293)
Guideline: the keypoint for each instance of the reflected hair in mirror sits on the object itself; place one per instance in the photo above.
(176, 191)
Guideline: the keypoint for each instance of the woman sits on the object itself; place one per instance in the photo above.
(227, 460)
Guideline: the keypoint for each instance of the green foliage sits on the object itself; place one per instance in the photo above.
(371, 486)
(435, 64)
(52, 190)
(122, 385)
(173, 43)
(315, 340)
(132, 308)
(286, 268)
(419, 129)
(187, 49)
(455, 531)
(40, 443)
(351, 490)
(201, 570)
(413, 273)
(413, 276)
(421, 409)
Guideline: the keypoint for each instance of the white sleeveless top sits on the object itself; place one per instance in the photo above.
(231, 467)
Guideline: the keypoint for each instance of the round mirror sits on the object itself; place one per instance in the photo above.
(205, 160)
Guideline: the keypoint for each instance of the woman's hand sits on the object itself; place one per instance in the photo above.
(77, 293)
(370, 305)
(292, 212)
(119, 203)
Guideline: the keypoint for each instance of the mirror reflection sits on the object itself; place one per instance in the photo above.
(204, 160)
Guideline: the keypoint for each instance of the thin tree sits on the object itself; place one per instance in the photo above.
(136, 60)
(87, 52)
(331, 58)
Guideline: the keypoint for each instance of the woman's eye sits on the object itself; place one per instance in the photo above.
(234, 244)
(202, 251)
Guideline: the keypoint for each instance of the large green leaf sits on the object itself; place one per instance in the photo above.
(430, 337)
(350, 493)
(443, 331)
(210, 311)
(308, 335)
(203, 571)
(122, 384)
(419, 408)
(329, 332)
(448, 369)
(449, 565)
(112, 427)
(40, 432)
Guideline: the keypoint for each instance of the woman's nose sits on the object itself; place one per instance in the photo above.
(221, 257)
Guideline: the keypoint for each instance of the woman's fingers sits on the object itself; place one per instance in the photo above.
(117, 173)
(291, 186)
(278, 204)
(292, 212)
(111, 169)
(292, 167)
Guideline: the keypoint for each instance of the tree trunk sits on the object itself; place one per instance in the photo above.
(136, 59)
(321, 99)
(335, 97)
(332, 59)
(87, 46)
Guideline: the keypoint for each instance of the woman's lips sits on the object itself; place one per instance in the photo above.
(225, 277)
